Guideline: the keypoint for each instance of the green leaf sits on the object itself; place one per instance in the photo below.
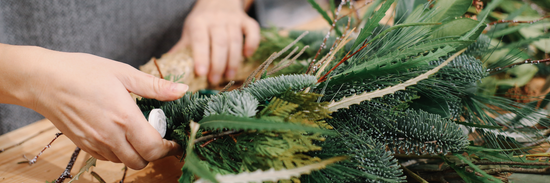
(241, 123)
(371, 24)
(89, 163)
(192, 163)
(404, 8)
(449, 9)
(456, 27)
(325, 15)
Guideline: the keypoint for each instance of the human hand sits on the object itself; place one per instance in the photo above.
(214, 29)
(86, 97)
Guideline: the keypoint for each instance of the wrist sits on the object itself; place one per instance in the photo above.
(19, 68)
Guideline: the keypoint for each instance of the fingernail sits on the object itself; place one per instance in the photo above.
(179, 88)
(215, 79)
(230, 74)
(201, 70)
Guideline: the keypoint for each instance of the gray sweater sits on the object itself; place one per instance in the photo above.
(130, 31)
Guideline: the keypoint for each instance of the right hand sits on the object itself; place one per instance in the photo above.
(87, 98)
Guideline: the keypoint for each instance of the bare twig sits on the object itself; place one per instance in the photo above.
(273, 71)
(158, 68)
(208, 137)
(518, 170)
(518, 21)
(67, 172)
(32, 161)
(324, 78)
(528, 61)
(124, 175)
(253, 74)
(286, 58)
(513, 163)
(25, 140)
(231, 83)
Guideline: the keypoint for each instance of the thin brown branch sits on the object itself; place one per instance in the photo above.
(518, 170)
(518, 21)
(25, 140)
(253, 74)
(67, 172)
(124, 175)
(97, 177)
(528, 61)
(212, 136)
(513, 163)
(158, 68)
(324, 78)
(413, 156)
(32, 161)
(229, 85)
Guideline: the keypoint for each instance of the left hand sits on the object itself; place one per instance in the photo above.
(214, 29)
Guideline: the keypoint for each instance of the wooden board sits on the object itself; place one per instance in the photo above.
(29, 141)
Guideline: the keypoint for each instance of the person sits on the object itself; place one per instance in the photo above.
(57, 58)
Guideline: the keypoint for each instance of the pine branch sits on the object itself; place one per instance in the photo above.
(356, 99)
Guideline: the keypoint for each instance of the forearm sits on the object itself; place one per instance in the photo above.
(18, 65)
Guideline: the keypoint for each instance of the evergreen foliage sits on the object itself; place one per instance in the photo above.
(285, 122)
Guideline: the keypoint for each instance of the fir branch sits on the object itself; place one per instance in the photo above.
(273, 86)
(356, 99)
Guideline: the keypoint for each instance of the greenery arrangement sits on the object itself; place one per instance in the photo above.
(366, 98)
(412, 88)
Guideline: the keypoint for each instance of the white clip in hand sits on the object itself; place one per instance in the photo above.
(157, 119)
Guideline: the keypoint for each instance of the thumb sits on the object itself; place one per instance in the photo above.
(149, 86)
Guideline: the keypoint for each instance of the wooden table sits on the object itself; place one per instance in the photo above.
(29, 140)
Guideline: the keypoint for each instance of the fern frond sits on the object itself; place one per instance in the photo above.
(356, 99)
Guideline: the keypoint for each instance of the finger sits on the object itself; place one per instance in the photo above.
(219, 53)
(235, 51)
(147, 141)
(148, 86)
(201, 50)
(128, 155)
(251, 30)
